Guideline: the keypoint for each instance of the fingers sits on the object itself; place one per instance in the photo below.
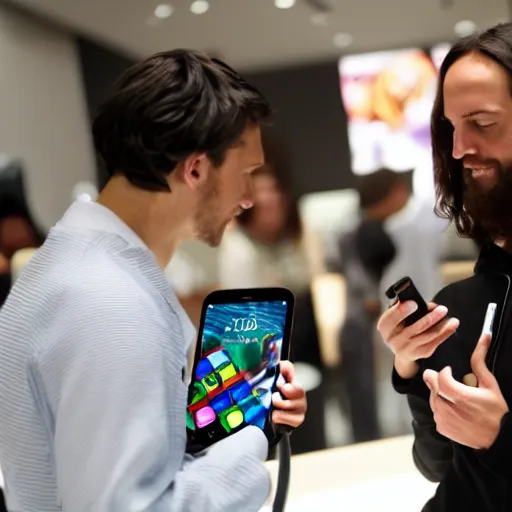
(425, 344)
(478, 359)
(288, 418)
(435, 316)
(292, 391)
(290, 411)
(446, 385)
(431, 306)
(430, 378)
(287, 371)
(394, 316)
(420, 340)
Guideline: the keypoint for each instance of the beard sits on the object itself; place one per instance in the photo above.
(490, 209)
(210, 226)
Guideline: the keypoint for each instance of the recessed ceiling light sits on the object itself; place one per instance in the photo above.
(465, 28)
(199, 6)
(284, 4)
(342, 40)
(164, 11)
(320, 18)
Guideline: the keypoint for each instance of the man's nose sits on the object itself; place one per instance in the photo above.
(462, 146)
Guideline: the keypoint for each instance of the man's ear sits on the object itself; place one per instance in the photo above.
(194, 170)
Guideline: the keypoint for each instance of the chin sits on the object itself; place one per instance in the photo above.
(213, 239)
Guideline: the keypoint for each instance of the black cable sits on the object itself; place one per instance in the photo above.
(283, 478)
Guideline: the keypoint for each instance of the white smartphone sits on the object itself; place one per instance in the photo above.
(489, 319)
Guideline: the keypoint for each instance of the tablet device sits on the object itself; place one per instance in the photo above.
(243, 336)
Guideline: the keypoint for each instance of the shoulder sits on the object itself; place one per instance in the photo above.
(101, 284)
(454, 290)
(113, 314)
(469, 290)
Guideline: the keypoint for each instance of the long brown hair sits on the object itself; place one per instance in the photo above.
(495, 43)
(278, 166)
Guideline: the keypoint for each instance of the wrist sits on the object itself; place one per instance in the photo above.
(406, 369)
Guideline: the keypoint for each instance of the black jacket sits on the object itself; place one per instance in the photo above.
(470, 480)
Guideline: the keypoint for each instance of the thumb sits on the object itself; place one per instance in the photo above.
(430, 377)
(478, 364)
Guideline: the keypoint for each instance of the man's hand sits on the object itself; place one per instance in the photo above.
(470, 416)
(291, 411)
(417, 341)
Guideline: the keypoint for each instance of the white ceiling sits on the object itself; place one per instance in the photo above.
(253, 34)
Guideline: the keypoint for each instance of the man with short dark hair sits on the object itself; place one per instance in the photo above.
(460, 390)
(93, 341)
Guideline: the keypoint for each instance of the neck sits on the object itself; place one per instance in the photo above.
(158, 218)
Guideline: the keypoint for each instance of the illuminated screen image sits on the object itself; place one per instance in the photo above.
(238, 367)
(388, 97)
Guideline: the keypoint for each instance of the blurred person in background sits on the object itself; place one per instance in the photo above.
(264, 248)
(418, 235)
(18, 230)
(93, 340)
(365, 253)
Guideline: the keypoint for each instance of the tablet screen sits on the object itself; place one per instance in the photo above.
(235, 375)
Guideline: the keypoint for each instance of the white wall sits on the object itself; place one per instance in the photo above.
(43, 118)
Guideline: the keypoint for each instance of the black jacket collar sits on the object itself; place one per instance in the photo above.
(493, 259)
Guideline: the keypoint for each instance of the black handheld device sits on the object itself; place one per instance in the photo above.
(404, 290)
(243, 337)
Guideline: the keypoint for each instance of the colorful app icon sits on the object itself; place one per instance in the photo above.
(218, 359)
(252, 409)
(228, 372)
(240, 391)
(210, 382)
(231, 418)
(248, 403)
(221, 402)
(204, 368)
(198, 393)
(205, 416)
(190, 421)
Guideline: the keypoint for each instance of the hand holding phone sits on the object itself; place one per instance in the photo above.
(405, 290)
(409, 338)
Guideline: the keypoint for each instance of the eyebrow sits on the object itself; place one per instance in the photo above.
(478, 112)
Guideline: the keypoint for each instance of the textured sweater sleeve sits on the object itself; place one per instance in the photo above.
(119, 420)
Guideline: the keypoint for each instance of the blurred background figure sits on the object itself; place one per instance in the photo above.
(265, 248)
(419, 236)
(18, 230)
(366, 252)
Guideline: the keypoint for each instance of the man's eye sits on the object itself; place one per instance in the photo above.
(483, 124)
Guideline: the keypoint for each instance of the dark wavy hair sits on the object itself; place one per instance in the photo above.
(495, 43)
(168, 107)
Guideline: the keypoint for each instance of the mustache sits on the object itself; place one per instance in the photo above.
(469, 162)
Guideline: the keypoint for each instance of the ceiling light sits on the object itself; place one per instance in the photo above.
(199, 6)
(164, 11)
(342, 40)
(320, 18)
(465, 28)
(284, 4)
